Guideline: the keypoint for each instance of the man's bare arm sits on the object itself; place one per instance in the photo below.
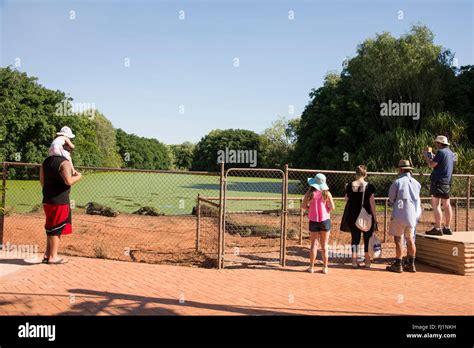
(66, 173)
(41, 176)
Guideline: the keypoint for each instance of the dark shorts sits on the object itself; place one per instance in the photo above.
(440, 190)
(320, 226)
(58, 219)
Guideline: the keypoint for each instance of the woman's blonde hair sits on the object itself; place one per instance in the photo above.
(324, 194)
(361, 171)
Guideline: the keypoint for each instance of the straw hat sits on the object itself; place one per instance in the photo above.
(404, 164)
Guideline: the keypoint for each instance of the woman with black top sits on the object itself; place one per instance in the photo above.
(354, 192)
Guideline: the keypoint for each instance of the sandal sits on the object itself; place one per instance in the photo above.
(45, 260)
(58, 262)
(355, 264)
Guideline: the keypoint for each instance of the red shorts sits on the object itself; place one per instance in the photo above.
(58, 219)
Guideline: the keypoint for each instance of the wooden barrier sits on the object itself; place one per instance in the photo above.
(453, 253)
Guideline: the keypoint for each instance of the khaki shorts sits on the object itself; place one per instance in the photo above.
(398, 229)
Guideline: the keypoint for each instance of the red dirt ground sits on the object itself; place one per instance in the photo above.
(172, 239)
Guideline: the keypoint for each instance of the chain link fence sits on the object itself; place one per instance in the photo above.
(143, 216)
(339, 242)
(253, 219)
(242, 216)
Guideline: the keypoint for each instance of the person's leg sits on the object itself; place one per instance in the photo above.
(435, 202)
(410, 265)
(324, 240)
(448, 212)
(313, 236)
(367, 236)
(398, 247)
(410, 245)
(53, 248)
(355, 241)
(47, 251)
(396, 266)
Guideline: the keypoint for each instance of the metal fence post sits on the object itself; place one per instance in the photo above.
(455, 214)
(285, 216)
(221, 219)
(198, 221)
(2, 207)
(301, 221)
(385, 221)
(468, 203)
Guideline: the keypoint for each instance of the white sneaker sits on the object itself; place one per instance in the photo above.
(310, 270)
(325, 270)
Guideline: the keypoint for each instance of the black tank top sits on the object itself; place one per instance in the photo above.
(55, 191)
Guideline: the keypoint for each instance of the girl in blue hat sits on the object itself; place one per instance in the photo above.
(319, 203)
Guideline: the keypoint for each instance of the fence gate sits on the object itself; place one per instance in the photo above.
(253, 217)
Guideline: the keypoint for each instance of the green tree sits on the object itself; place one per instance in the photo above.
(279, 141)
(106, 140)
(206, 152)
(142, 153)
(342, 125)
(183, 155)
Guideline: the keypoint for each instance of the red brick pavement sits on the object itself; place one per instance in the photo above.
(102, 287)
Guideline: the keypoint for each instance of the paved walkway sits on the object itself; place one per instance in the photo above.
(102, 287)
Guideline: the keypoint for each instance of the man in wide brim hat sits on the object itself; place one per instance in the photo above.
(404, 197)
(440, 188)
(404, 164)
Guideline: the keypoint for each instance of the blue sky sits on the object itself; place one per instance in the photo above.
(188, 65)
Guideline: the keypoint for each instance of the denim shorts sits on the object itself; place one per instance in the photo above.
(324, 226)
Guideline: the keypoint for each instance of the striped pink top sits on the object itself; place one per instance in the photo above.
(318, 210)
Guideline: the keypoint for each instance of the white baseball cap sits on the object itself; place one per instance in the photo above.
(66, 131)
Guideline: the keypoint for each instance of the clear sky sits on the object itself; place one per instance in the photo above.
(182, 82)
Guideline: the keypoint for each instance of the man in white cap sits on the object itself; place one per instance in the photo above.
(441, 179)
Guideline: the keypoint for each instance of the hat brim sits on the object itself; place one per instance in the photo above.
(442, 143)
(404, 167)
(66, 135)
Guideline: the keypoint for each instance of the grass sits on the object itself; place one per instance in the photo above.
(172, 194)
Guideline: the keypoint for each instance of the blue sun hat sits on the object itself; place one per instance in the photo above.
(318, 182)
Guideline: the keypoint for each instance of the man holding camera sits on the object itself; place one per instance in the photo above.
(441, 179)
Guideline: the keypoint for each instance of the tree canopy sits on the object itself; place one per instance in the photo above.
(342, 125)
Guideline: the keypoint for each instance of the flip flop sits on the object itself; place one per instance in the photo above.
(58, 262)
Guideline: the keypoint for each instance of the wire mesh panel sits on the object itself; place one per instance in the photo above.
(173, 216)
(253, 203)
(207, 227)
(298, 222)
(144, 216)
(339, 242)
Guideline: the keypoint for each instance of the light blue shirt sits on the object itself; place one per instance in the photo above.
(404, 197)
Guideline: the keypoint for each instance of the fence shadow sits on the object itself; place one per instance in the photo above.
(18, 262)
(139, 303)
